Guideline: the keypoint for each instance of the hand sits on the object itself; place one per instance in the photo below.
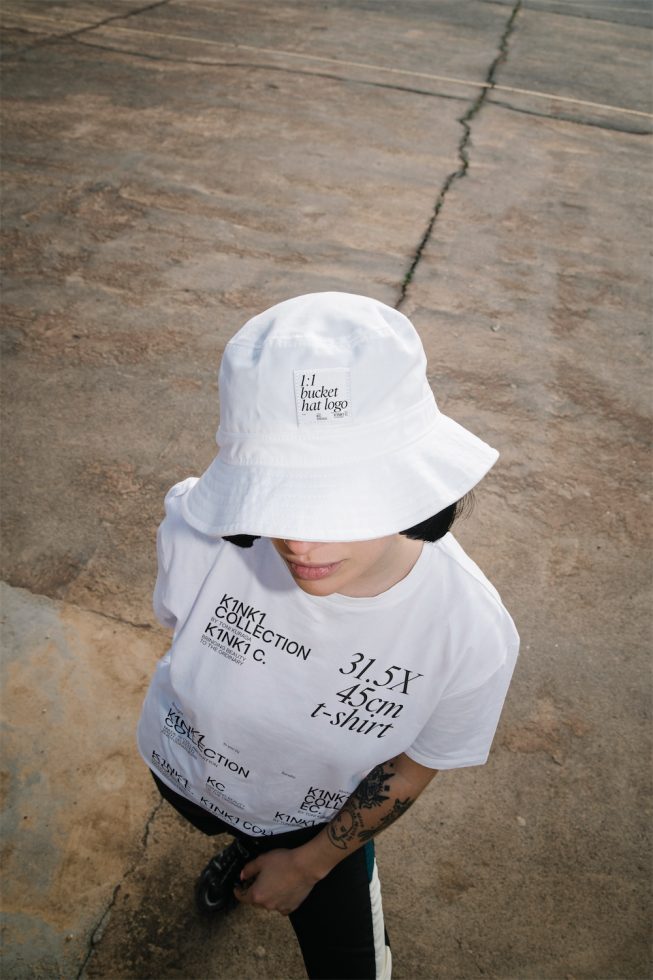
(280, 881)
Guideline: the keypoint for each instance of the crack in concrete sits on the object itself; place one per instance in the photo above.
(85, 609)
(112, 616)
(98, 930)
(470, 953)
(55, 38)
(465, 121)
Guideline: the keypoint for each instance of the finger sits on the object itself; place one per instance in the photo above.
(250, 870)
(242, 894)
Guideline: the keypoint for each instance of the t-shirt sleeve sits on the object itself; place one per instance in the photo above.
(163, 613)
(484, 649)
(461, 729)
(174, 581)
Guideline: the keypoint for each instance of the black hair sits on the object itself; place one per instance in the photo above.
(242, 540)
(432, 529)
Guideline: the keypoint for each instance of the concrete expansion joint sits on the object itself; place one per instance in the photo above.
(98, 931)
(264, 66)
(643, 130)
(463, 155)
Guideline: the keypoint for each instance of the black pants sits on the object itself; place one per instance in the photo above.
(339, 925)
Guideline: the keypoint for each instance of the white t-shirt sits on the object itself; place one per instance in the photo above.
(271, 705)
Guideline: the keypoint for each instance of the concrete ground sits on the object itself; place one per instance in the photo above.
(172, 168)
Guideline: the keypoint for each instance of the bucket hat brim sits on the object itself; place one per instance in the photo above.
(356, 501)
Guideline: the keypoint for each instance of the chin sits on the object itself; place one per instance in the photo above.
(320, 588)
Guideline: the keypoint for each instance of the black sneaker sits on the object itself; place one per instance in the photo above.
(214, 889)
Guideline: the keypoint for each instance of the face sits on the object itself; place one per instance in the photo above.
(355, 568)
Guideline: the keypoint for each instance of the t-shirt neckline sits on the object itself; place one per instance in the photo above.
(396, 593)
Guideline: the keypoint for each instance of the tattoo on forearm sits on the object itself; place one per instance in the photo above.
(399, 807)
(370, 792)
(345, 826)
(373, 791)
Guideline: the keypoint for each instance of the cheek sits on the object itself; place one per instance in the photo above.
(369, 555)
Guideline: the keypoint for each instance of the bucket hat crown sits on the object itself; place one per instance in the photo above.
(329, 430)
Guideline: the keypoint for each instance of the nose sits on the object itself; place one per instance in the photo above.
(299, 547)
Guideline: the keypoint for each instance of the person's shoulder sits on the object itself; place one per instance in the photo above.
(185, 557)
(463, 568)
(467, 586)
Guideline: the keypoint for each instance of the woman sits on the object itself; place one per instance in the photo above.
(334, 647)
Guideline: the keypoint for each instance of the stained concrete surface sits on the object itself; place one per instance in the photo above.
(170, 169)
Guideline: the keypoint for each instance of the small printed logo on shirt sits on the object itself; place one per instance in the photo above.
(167, 769)
(317, 799)
(323, 396)
(293, 820)
(248, 826)
(234, 627)
(193, 740)
(217, 788)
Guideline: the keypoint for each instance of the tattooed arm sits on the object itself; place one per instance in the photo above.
(284, 878)
(385, 793)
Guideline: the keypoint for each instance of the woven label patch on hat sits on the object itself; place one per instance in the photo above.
(323, 396)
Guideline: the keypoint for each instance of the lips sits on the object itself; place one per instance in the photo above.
(311, 573)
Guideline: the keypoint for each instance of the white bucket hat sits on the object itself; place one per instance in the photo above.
(329, 430)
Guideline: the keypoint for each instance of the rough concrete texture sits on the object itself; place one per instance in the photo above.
(171, 168)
